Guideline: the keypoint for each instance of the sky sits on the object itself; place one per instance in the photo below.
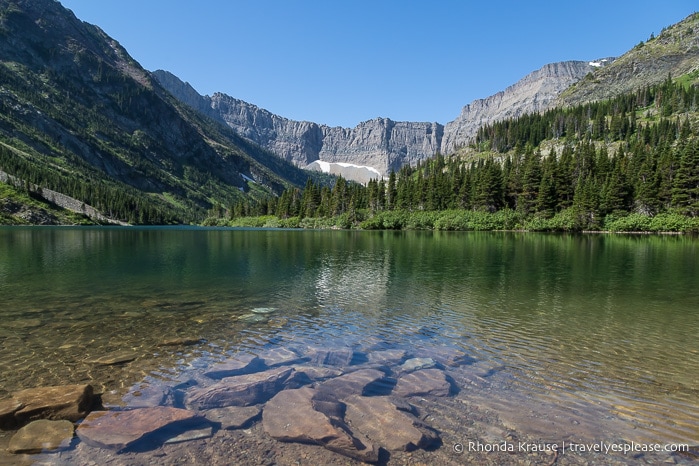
(341, 62)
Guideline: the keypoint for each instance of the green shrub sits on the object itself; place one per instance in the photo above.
(631, 222)
(671, 221)
(455, 220)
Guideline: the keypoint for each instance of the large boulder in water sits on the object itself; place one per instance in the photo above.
(241, 390)
(42, 435)
(378, 418)
(65, 402)
(423, 382)
(290, 417)
(118, 430)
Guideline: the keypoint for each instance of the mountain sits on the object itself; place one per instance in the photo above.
(380, 144)
(674, 52)
(535, 92)
(383, 145)
(81, 117)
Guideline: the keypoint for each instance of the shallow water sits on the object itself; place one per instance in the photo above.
(603, 328)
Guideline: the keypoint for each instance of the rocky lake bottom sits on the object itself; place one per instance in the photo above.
(278, 397)
(192, 346)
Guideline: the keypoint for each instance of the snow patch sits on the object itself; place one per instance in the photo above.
(359, 173)
(247, 178)
(325, 166)
(599, 63)
(351, 165)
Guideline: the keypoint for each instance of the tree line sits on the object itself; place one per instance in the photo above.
(634, 154)
(114, 200)
(618, 119)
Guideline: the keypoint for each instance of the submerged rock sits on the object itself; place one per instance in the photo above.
(42, 435)
(118, 430)
(389, 357)
(149, 396)
(118, 357)
(251, 318)
(380, 420)
(66, 402)
(330, 356)
(264, 310)
(232, 417)
(353, 383)
(447, 355)
(290, 417)
(181, 341)
(415, 364)
(8, 408)
(279, 356)
(423, 382)
(241, 390)
(193, 434)
(240, 364)
(316, 373)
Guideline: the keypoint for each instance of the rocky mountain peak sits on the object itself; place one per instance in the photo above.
(380, 143)
(534, 93)
(674, 52)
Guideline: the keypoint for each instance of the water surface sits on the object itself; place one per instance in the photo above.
(601, 327)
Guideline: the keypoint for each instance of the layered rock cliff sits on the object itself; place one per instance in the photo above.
(381, 143)
(534, 93)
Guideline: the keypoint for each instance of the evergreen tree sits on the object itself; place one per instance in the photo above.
(586, 203)
(685, 190)
(547, 199)
(531, 181)
(391, 191)
(340, 199)
(615, 195)
(646, 190)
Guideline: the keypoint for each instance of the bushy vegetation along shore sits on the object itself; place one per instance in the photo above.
(461, 220)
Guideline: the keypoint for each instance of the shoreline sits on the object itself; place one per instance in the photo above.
(335, 228)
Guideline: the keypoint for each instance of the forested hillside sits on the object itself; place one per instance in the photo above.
(79, 116)
(628, 163)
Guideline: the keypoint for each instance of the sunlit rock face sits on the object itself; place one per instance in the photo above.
(534, 93)
(379, 145)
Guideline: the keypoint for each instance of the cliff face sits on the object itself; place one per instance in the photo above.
(296, 141)
(535, 92)
(380, 143)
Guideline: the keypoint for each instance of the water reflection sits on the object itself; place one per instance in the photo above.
(574, 321)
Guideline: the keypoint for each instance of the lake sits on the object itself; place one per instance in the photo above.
(555, 337)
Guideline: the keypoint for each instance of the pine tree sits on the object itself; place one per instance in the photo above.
(531, 181)
(340, 199)
(615, 195)
(547, 199)
(685, 190)
(586, 203)
(391, 191)
(646, 190)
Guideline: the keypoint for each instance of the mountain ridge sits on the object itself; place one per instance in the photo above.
(387, 145)
(380, 143)
(88, 119)
(674, 52)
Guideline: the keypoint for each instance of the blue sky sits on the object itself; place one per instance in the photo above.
(340, 62)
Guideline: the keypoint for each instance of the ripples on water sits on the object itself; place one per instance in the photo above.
(600, 326)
